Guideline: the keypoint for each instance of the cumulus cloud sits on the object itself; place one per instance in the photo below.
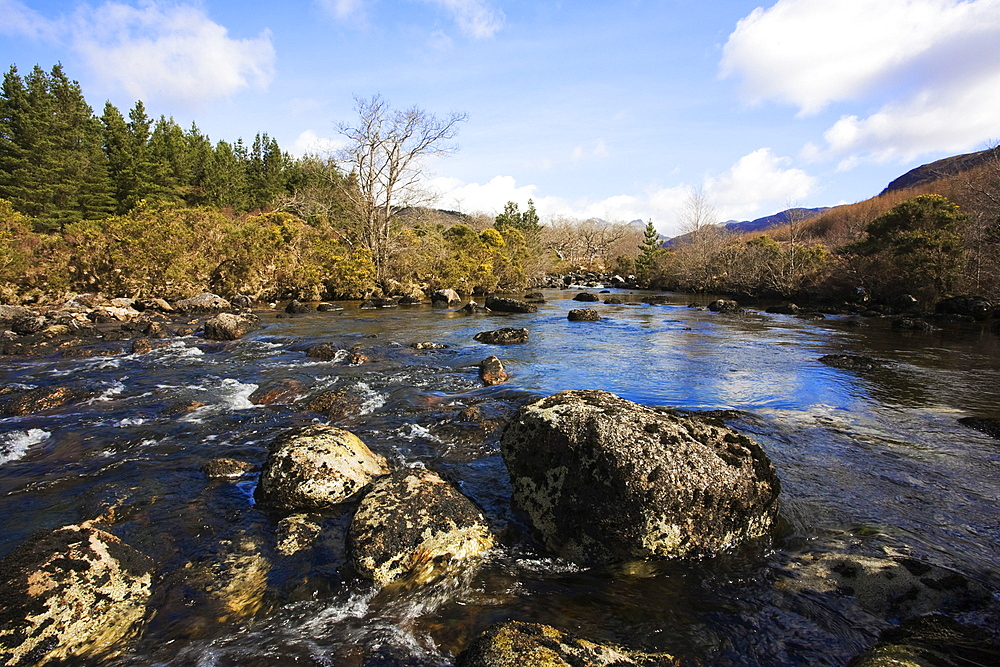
(758, 180)
(169, 52)
(929, 67)
(759, 183)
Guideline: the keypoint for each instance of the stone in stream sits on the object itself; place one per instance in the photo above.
(583, 315)
(227, 326)
(520, 644)
(317, 466)
(851, 362)
(413, 525)
(492, 372)
(724, 306)
(988, 425)
(445, 297)
(17, 402)
(77, 593)
(206, 302)
(603, 479)
(505, 336)
(504, 305)
(586, 296)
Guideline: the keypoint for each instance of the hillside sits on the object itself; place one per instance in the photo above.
(776, 220)
(943, 168)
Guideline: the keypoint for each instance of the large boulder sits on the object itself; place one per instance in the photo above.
(603, 479)
(226, 326)
(505, 336)
(445, 297)
(413, 525)
(317, 466)
(77, 593)
(206, 302)
(504, 305)
(520, 644)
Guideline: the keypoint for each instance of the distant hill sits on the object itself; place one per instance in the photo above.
(949, 166)
(776, 220)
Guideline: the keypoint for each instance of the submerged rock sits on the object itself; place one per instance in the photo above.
(603, 479)
(317, 466)
(851, 362)
(931, 641)
(889, 586)
(519, 644)
(504, 305)
(988, 425)
(227, 326)
(583, 315)
(413, 524)
(505, 336)
(225, 468)
(492, 372)
(77, 593)
(296, 533)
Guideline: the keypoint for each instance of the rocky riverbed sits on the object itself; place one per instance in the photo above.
(383, 484)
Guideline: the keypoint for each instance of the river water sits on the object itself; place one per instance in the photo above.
(871, 462)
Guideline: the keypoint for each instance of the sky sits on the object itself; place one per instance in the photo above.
(616, 110)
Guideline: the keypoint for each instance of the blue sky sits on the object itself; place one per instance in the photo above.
(610, 109)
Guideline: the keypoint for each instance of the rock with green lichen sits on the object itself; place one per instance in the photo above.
(518, 644)
(603, 479)
(317, 466)
(414, 525)
(77, 593)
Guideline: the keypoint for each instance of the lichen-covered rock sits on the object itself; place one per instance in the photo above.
(519, 644)
(317, 466)
(603, 479)
(505, 336)
(504, 305)
(206, 302)
(583, 315)
(227, 326)
(29, 401)
(413, 524)
(75, 593)
(492, 372)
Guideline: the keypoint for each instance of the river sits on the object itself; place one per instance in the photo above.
(870, 462)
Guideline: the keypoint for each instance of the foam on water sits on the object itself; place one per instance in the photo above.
(15, 445)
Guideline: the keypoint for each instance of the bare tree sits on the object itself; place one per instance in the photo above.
(385, 157)
(702, 241)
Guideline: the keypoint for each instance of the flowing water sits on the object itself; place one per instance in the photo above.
(870, 462)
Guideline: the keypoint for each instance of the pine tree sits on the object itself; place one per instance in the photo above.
(650, 249)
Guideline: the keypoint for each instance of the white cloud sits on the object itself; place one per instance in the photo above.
(928, 67)
(19, 19)
(757, 182)
(310, 143)
(760, 183)
(170, 52)
(474, 17)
